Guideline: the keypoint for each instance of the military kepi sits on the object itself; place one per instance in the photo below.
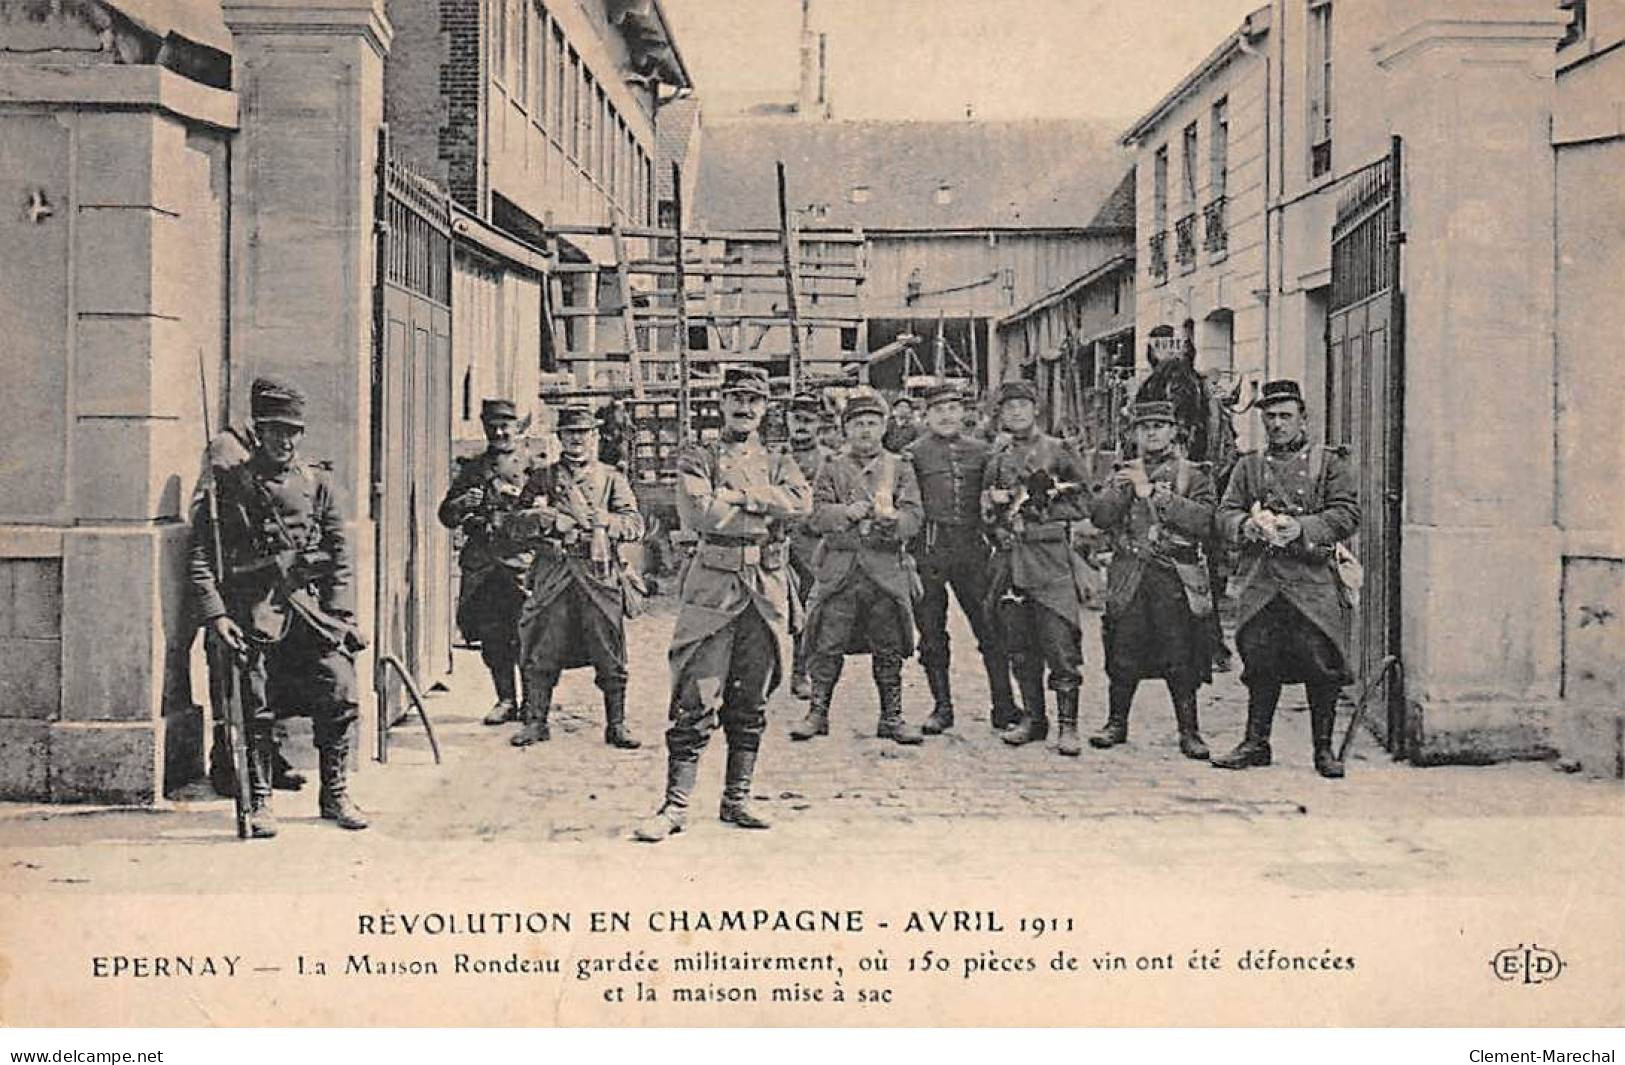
(1018, 389)
(751, 380)
(496, 410)
(807, 403)
(942, 392)
(275, 401)
(863, 401)
(576, 416)
(1282, 391)
(1153, 410)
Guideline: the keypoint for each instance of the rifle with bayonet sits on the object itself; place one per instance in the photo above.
(225, 690)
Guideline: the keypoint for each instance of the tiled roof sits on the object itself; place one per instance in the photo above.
(914, 175)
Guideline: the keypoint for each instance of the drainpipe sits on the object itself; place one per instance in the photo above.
(1267, 293)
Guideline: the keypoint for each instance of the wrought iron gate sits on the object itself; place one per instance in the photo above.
(1365, 386)
(411, 432)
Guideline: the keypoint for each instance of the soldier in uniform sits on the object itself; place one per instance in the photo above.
(866, 507)
(805, 412)
(902, 428)
(1033, 495)
(727, 654)
(483, 494)
(283, 601)
(1287, 508)
(1158, 509)
(575, 514)
(952, 550)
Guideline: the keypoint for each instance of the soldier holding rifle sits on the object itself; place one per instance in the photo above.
(492, 563)
(1034, 496)
(1158, 509)
(866, 507)
(802, 421)
(282, 600)
(576, 513)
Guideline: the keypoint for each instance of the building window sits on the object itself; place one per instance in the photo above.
(574, 117)
(543, 67)
(1320, 87)
(849, 338)
(560, 73)
(1187, 183)
(499, 39)
(1159, 190)
(1219, 149)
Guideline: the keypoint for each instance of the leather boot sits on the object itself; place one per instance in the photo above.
(507, 707)
(891, 725)
(1034, 723)
(1190, 732)
(1004, 712)
(615, 733)
(1255, 749)
(673, 813)
(942, 709)
(1119, 700)
(736, 790)
(1066, 714)
(503, 712)
(1322, 723)
(261, 755)
(800, 686)
(335, 801)
(816, 723)
(284, 777)
(538, 701)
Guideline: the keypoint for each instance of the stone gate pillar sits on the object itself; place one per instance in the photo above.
(1470, 88)
(310, 74)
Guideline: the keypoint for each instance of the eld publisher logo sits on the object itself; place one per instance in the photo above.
(1533, 964)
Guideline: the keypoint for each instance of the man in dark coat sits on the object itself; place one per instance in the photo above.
(1158, 510)
(492, 564)
(728, 649)
(902, 427)
(575, 514)
(802, 421)
(1034, 497)
(866, 506)
(1288, 507)
(952, 550)
(279, 596)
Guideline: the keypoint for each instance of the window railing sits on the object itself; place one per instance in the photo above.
(1215, 231)
(1185, 243)
(1159, 257)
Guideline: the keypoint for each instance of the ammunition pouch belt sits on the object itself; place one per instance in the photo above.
(732, 556)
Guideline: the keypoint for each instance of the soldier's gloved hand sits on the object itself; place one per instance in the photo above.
(471, 498)
(229, 634)
(1252, 531)
(1287, 529)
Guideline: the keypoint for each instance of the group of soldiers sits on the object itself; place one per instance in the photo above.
(805, 554)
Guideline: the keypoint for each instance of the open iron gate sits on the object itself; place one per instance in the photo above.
(1365, 403)
(411, 442)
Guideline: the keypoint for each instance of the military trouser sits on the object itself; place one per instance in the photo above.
(569, 630)
(492, 618)
(957, 556)
(1039, 638)
(801, 572)
(299, 677)
(724, 683)
(859, 606)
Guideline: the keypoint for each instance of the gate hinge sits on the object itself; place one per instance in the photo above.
(1397, 237)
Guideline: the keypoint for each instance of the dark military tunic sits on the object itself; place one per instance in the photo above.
(493, 560)
(728, 646)
(863, 600)
(1293, 618)
(804, 543)
(575, 612)
(1034, 588)
(899, 436)
(1157, 573)
(287, 585)
(951, 548)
